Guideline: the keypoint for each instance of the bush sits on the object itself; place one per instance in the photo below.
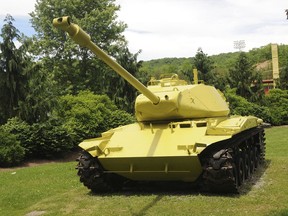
(78, 117)
(40, 139)
(240, 106)
(21, 130)
(277, 103)
(11, 152)
(49, 139)
(87, 115)
(118, 118)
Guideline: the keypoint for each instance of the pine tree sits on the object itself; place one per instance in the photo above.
(13, 77)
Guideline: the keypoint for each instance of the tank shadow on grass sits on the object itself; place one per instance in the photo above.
(182, 188)
(256, 180)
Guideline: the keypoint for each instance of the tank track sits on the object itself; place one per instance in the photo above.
(228, 165)
(93, 177)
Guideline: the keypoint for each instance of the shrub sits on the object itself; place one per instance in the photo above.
(11, 152)
(240, 106)
(79, 117)
(87, 115)
(21, 130)
(44, 139)
(277, 103)
(119, 118)
(48, 139)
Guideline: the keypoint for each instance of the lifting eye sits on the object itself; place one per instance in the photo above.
(166, 97)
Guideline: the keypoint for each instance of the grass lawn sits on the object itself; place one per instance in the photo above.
(54, 189)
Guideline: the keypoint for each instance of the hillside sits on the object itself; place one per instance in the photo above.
(261, 57)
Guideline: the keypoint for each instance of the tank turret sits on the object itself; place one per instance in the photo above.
(165, 99)
(183, 133)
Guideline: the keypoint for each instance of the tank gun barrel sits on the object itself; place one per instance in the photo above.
(83, 39)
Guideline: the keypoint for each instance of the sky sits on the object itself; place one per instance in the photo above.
(177, 28)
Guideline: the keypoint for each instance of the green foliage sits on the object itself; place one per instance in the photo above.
(222, 63)
(283, 55)
(121, 92)
(41, 95)
(13, 78)
(155, 68)
(241, 77)
(241, 106)
(219, 79)
(203, 64)
(45, 139)
(273, 108)
(261, 54)
(11, 152)
(284, 78)
(78, 117)
(87, 115)
(21, 130)
(277, 102)
(119, 118)
(74, 68)
(49, 139)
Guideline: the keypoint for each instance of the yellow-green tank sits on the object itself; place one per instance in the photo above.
(183, 133)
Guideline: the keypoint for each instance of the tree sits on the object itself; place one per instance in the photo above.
(120, 91)
(41, 95)
(243, 77)
(204, 64)
(284, 78)
(186, 70)
(74, 68)
(13, 77)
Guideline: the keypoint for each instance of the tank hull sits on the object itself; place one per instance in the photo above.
(177, 168)
(175, 151)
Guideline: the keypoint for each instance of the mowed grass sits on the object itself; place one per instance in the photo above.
(54, 189)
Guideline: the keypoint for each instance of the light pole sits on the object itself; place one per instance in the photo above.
(240, 44)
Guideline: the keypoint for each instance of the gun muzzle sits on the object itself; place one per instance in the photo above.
(74, 31)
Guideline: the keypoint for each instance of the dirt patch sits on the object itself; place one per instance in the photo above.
(35, 213)
(264, 65)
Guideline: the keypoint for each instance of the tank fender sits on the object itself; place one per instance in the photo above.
(234, 124)
(97, 146)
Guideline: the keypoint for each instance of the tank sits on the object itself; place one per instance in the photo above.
(184, 133)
